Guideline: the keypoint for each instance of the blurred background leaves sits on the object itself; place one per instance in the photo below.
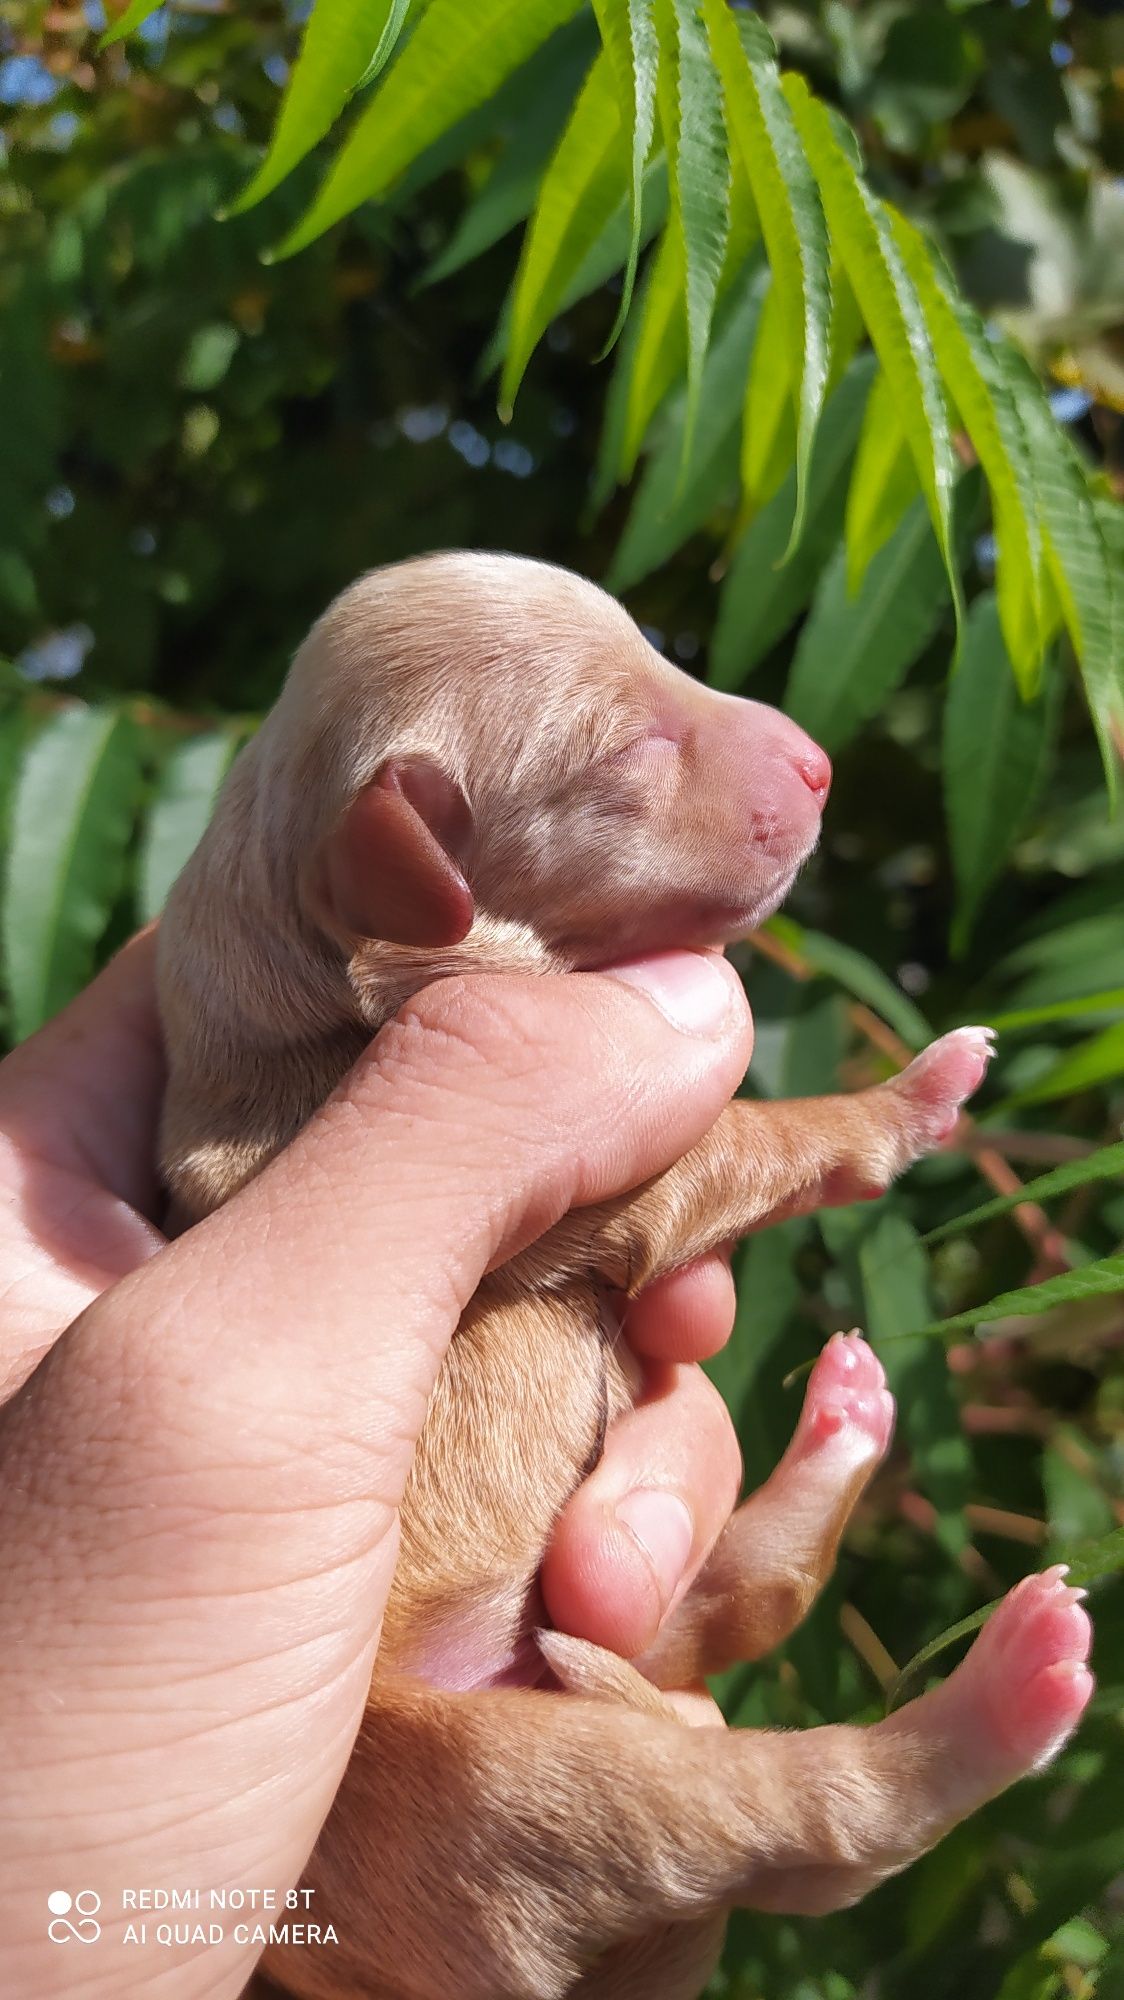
(198, 448)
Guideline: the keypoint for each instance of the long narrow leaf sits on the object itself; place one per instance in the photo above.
(72, 819)
(768, 425)
(579, 193)
(792, 219)
(995, 749)
(894, 317)
(455, 61)
(1103, 1165)
(857, 975)
(974, 376)
(883, 483)
(1099, 1060)
(694, 132)
(134, 16)
(1089, 1281)
(854, 650)
(628, 31)
(346, 43)
(763, 593)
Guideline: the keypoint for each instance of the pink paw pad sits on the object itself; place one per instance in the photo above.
(1032, 1657)
(847, 1398)
(939, 1080)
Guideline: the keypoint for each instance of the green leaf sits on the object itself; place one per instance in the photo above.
(1092, 1560)
(677, 494)
(865, 245)
(628, 31)
(883, 483)
(1098, 1060)
(1058, 1010)
(694, 133)
(995, 749)
(992, 415)
(768, 425)
(579, 193)
(455, 60)
(894, 1273)
(854, 650)
(72, 820)
(763, 592)
(660, 350)
(964, 1628)
(792, 219)
(1102, 1165)
(856, 974)
(186, 791)
(1089, 1281)
(134, 16)
(346, 44)
(1079, 564)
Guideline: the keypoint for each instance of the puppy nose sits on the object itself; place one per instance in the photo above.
(814, 766)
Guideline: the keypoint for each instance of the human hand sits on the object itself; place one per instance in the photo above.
(199, 1490)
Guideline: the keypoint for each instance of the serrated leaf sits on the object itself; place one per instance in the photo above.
(853, 651)
(1102, 1165)
(72, 820)
(186, 790)
(883, 483)
(1089, 1281)
(579, 193)
(769, 423)
(864, 242)
(628, 31)
(694, 133)
(1078, 563)
(858, 975)
(763, 592)
(134, 16)
(992, 416)
(792, 220)
(994, 755)
(346, 43)
(677, 493)
(454, 62)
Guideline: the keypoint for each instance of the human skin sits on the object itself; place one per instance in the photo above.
(200, 1474)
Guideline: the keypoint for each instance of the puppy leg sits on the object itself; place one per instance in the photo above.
(498, 1844)
(760, 1162)
(777, 1551)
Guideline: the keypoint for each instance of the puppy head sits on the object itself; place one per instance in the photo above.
(472, 736)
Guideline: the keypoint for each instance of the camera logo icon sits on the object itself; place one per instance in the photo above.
(74, 1917)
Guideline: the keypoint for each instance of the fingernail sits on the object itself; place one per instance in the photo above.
(693, 990)
(662, 1525)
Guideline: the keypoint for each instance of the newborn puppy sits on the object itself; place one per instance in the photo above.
(479, 763)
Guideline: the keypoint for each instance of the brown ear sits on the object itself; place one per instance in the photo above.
(392, 866)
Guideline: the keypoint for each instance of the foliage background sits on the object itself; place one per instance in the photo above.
(199, 449)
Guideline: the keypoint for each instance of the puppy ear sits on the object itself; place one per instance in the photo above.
(392, 867)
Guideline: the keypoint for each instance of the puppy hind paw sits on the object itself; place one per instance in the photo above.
(847, 1406)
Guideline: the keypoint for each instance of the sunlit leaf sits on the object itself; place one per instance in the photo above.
(1096, 1061)
(346, 43)
(994, 751)
(454, 61)
(883, 483)
(769, 425)
(72, 819)
(865, 244)
(1105, 1164)
(694, 133)
(628, 31)
(579, 193)
(763, 593)
(134, 16)
(1089, 1281)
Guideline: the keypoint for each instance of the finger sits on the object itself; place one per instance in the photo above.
(686, 1316)
(79, 1104)
(635, 1534)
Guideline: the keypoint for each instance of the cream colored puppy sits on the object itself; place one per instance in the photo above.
(479, 763)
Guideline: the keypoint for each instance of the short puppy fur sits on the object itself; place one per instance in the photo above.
(478, 763)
